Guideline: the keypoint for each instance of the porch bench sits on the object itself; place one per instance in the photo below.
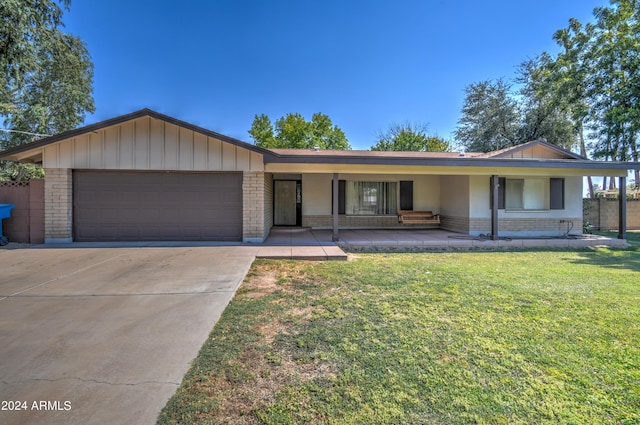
(418, 217)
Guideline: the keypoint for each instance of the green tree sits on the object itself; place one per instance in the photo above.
(409, 137)
(595, 79)
(542, 114)
(262, 132)
(46, 75)
(490, 117)
(614, 79)
(293, 132)
(566, 77)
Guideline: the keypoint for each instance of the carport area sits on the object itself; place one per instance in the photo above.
(105, 335)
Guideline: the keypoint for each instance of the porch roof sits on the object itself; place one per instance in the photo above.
(445, 163)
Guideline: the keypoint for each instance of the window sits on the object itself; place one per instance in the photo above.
(531, 194)
(514, 191)
(370, 198)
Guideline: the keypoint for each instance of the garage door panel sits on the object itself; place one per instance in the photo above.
(134, 206)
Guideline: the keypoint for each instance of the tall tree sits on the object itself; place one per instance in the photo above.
(543, 115)
(409, 137)
(614, 65)
(566, 78)
(293, 132)
(596, 76)
(489, 119)
(46, 75)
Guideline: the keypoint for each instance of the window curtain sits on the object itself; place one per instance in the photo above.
(514, 194)
(371, 198)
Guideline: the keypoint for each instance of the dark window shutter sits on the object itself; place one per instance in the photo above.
(556, 190)
(502, 183)
(406, 195)
(341, 197)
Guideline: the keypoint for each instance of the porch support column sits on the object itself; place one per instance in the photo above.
(622, 207)
(334, 202)
(495, 184)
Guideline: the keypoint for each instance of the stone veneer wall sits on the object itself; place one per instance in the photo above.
(58, 205)
(253, 206)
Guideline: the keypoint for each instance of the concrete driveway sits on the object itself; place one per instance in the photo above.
(105, 335)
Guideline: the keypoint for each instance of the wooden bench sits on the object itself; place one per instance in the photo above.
(418, 217)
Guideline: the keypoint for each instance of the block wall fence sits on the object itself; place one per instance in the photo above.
(602, 213)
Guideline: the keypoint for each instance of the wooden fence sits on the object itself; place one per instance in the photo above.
(26, 224)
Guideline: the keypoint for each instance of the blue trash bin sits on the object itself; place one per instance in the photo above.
(5, 212)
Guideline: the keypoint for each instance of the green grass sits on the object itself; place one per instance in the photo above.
(633, 237)
(456, 338)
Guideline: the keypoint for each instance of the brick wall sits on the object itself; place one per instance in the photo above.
(253, 206)
(58, 205)
(268, 203)
(26, 224)
(354, 221)
(532, 226)
(528, 226)
(456, 224)
(602, 213)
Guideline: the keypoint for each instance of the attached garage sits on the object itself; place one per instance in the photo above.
(145, 176)
(156, 206)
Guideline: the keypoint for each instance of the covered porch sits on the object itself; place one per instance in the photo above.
(523, 192)
(422, 239)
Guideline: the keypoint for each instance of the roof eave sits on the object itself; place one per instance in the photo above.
(454, 162)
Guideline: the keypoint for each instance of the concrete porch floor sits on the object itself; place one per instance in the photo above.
(304, 243)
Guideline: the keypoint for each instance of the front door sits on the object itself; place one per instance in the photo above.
(406, 195)
(287, 203)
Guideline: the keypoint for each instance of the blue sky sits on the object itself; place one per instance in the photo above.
(366, 64)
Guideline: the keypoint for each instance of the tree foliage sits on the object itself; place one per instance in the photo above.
(592, 84)
(293, 132)
(409, 137)
(542, 114)
(489, 119)
(597, 77)
(614, 77)
(46, 75)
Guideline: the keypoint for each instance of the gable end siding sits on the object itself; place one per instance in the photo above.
(149, 144)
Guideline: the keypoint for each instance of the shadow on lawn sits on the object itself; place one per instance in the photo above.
(612, 258)
(615, 258)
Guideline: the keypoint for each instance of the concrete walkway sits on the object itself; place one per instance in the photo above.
(299, 244)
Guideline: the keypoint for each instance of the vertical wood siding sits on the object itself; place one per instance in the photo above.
(536, 152)
(150, 144)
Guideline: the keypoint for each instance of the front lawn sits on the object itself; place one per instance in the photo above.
(442, 338)
(633, 236)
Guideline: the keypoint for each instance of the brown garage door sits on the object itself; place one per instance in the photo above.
(156, 206)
